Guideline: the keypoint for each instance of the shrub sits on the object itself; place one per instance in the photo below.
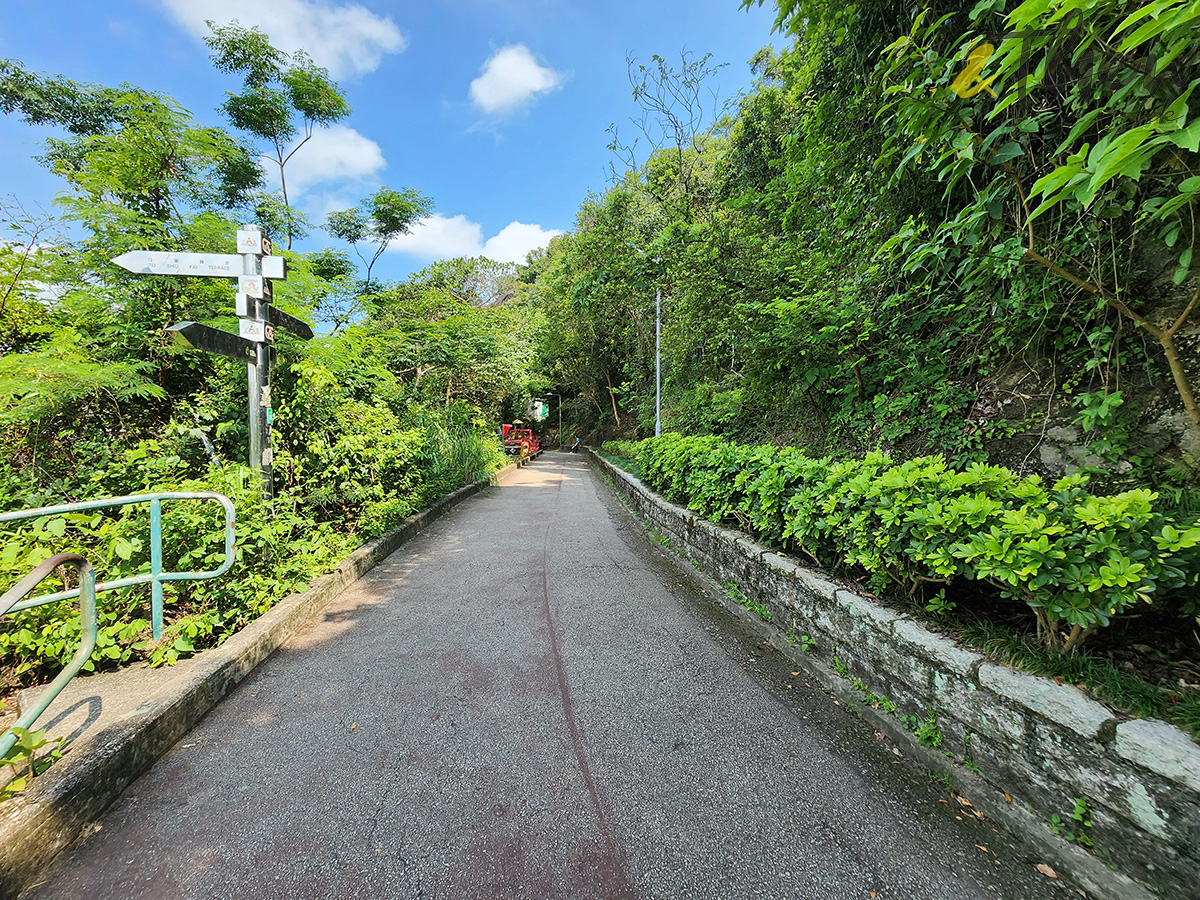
(1075, 558)
(624, 449)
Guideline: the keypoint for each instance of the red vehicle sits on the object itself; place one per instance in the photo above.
(520, 441)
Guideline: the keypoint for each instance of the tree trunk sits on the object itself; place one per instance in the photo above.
(613, 398)
(1164, 336)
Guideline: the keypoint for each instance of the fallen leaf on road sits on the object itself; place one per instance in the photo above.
(1046, 870)
(983, 848)
(794, 674)
(1008, 798)
(963, 801)
(978, 814)
(353, 724)
(941, 800)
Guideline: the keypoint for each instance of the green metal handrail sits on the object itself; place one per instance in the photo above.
(156, 576)
(87, 632)
(14, 600)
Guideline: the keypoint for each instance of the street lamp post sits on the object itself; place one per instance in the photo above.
(658, 362)
(657, 348)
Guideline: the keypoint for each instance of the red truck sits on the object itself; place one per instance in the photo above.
(520, 441)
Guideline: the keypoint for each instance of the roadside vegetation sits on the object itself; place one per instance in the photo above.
(396, 402)
(965, 550)
(929, 319)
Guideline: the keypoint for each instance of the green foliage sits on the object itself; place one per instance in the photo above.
(371, 425)
(62, 375)
(28, 758)
(1076, 828)
(736, 595)
(928, 733)
(625, 449)
(277, 89)
(384, 215)
(1076, 128)
(1078, 560)
(843, 259)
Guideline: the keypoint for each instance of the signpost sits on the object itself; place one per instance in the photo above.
(156, 262)
(254, 268)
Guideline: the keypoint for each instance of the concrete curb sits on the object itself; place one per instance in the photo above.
(1034, 744)
(37, 825)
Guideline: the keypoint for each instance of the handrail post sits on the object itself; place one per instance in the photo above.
(13, 600)
(156, 587)
(88, 626)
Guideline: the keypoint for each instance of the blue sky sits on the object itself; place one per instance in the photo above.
(496, 109)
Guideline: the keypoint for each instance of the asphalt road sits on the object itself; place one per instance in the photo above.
(531, 700)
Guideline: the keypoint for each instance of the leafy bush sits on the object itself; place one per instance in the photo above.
(1075, 558)
(624, 449)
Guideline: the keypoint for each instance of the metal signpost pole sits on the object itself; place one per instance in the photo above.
(253, 295)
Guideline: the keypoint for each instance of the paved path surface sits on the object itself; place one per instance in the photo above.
(531, 701)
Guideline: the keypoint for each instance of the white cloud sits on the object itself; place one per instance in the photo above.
(515, 241)
(336, 153)
(509, 79)
(347, 40)
(440, 237)
(446, 237)
(319, 204)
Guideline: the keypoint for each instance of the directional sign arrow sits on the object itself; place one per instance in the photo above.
(280, 319)
(156, 262)
(212, 340)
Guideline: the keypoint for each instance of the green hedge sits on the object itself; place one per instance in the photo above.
(1075, 558)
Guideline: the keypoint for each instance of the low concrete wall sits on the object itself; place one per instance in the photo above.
(37, 825)
(1036, 744)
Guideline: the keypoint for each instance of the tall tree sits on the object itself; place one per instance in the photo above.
(284, 96)
(376, 220)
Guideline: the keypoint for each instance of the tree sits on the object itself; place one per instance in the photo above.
(376, 220)
(277, 87)
(81, 109)
(675, 117)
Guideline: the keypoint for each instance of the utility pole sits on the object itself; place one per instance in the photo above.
(657, 348)
(658, 362)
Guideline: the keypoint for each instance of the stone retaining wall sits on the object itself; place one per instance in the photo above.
(1033, 745)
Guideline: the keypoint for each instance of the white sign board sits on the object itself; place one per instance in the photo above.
(274, 267)
(252, 331)
(162, 262)
(249, 241)
(251, 285)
